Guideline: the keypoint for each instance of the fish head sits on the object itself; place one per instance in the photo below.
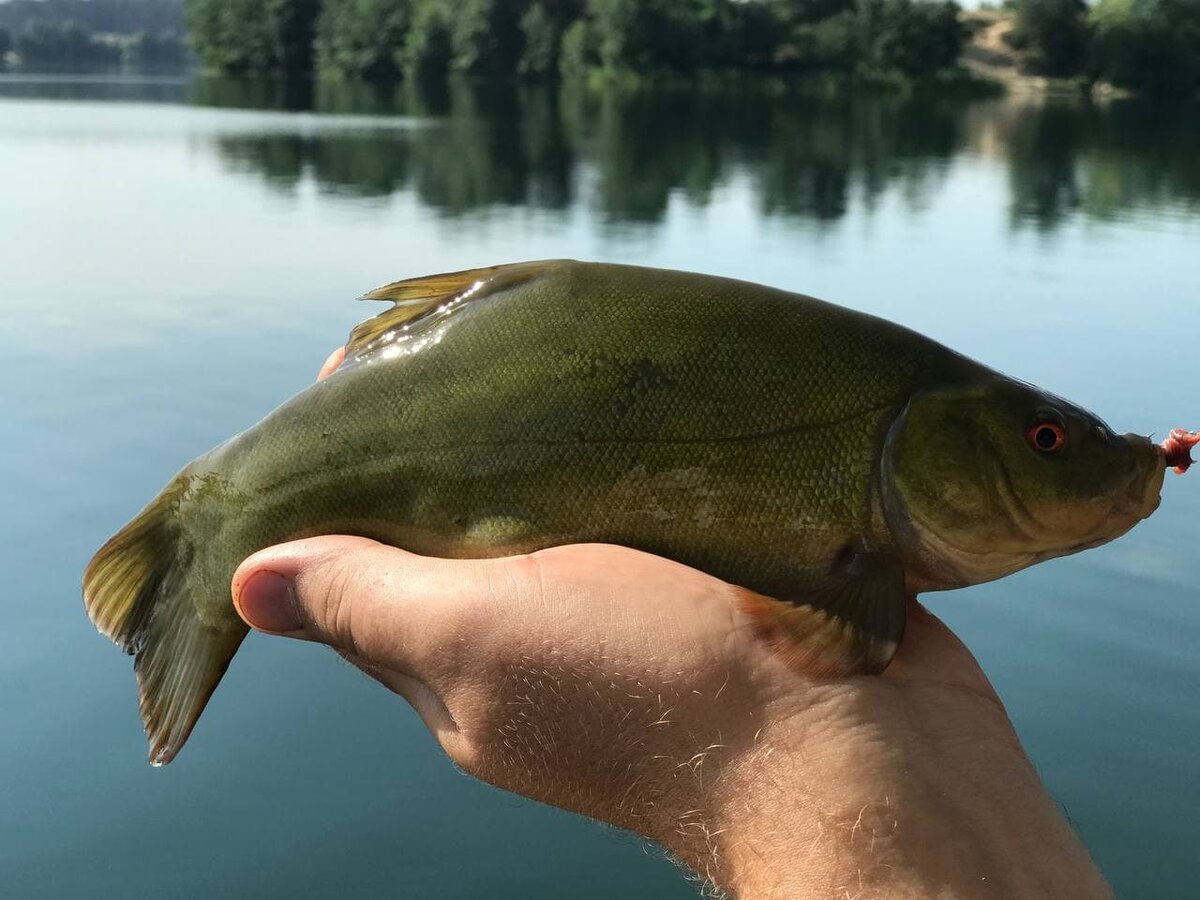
(985, 479)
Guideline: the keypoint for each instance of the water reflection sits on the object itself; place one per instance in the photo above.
(626, 153)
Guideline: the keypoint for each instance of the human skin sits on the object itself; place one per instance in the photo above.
(632, 689)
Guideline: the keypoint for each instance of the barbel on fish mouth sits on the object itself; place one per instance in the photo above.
(829, 462)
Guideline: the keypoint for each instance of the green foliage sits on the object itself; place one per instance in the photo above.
(1148, 45)
(544, 25)
(363, 37)
(540, 38)
(428, 52)
(253, 35)
(1054, 35)
(485, 36)
(232, 35)
(579, 52)
(916, 38)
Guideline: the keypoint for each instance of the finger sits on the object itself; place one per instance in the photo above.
(336, 358)
(393, 609)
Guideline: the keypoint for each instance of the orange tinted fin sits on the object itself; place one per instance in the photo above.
(416, 298)
(851, 627)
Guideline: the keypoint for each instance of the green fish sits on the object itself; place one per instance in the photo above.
(830, 463)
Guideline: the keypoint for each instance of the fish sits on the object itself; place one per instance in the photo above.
(828, 463)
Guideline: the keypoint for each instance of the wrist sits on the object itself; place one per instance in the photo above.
(860, 796)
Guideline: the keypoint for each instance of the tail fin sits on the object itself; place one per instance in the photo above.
(135, 593)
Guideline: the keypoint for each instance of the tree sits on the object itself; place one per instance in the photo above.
(543, 27)
(579, 51)
(427, 51)
(644, 35)
(363, 37)
(1151, 45)
(917, 38)
(485, 35)
(253, 35)
(818, 34)
(1053, 34)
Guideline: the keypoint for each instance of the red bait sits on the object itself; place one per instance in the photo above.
(1178, 447)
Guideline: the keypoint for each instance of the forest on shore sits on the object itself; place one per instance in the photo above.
(1147, 45)
(548, 38)
(1150, 46)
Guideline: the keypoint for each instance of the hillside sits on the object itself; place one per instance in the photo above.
(96, 16)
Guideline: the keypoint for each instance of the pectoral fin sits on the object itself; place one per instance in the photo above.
(852, 626)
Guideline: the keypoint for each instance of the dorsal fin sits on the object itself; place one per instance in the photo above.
(416, 298)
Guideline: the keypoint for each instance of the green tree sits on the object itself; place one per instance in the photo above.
(485, 35)
(253, 35)
(363, 37)
(818, 34)
(1149, 45)
(1053, 34)
(427, 52)
(294, 23)
(644, 35)
(579, 51)
(918, 38)
(543, 27)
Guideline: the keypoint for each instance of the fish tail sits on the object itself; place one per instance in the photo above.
(136, 592)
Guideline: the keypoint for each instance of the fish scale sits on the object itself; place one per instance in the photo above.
(828, 463)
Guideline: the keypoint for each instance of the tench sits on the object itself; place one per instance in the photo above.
(831, 463)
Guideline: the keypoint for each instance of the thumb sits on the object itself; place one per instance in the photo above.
(376, 603)
(393, 614)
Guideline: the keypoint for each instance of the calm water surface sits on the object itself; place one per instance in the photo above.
(177, 258)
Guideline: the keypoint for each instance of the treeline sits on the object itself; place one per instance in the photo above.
(68, 45)
(1151, 46)
(93, 33)
(547, 38)
(95, 16)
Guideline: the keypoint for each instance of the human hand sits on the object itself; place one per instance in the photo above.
(631, 689)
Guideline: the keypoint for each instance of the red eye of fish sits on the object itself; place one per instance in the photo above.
(1047, 437)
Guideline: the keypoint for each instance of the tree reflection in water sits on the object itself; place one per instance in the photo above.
(624, 154)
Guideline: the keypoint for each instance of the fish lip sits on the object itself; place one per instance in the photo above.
(1144, 493)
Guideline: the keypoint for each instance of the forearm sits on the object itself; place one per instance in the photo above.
(907, 809)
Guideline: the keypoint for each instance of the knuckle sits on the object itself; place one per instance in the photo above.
(331, 605)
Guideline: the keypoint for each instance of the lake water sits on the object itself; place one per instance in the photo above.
(176, 258)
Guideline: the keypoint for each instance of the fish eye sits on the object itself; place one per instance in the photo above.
(1046, 437)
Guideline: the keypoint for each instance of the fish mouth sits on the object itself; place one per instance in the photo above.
(1144, 492)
